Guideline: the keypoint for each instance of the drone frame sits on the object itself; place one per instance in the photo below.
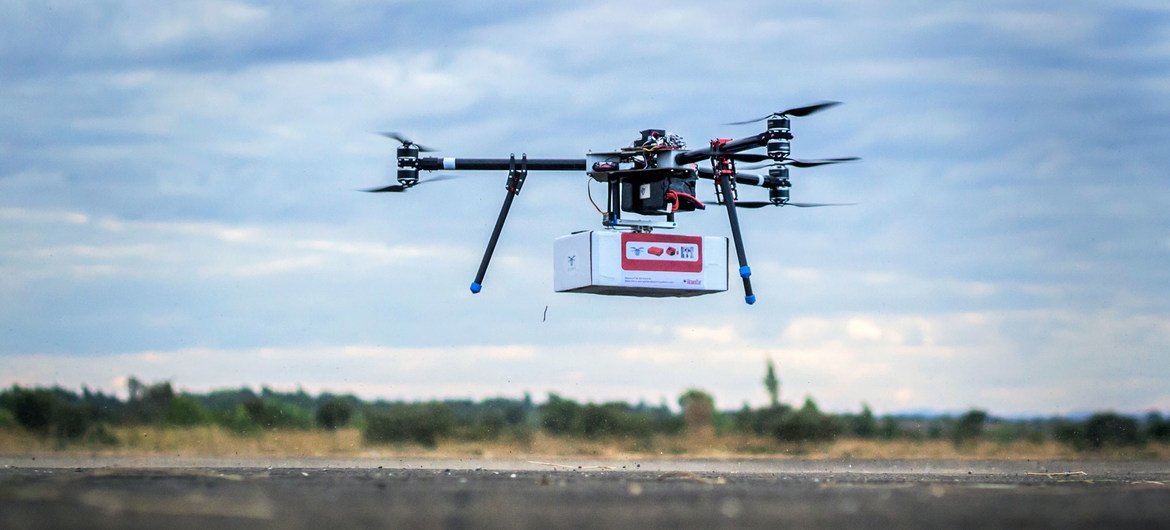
(668, 162)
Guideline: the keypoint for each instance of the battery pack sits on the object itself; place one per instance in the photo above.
(639, 264)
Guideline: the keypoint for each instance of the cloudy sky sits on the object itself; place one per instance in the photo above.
(177, 199)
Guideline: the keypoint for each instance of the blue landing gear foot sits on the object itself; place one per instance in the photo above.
(750, 299)
(476, 287)
(745, 272)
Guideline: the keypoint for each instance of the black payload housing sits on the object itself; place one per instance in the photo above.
(649, 194)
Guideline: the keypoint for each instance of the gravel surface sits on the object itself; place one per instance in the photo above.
(105, 492)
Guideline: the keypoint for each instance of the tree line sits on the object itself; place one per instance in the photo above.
(68, 416)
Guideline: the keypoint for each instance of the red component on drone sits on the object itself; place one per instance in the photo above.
(684, 202)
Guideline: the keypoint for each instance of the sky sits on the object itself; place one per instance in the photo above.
(178, 199)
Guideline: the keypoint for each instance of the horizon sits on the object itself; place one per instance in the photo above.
(669, 402)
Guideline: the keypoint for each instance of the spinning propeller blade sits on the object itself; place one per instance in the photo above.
(391, 188)
(798, 112)
(804, 163)
(818, 204)
(406, 141)
(801, 112)
(761, 204)
(398, 188)
(739, 175)
(748, 157)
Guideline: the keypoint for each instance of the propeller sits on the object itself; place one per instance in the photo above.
(709, 171)
(398, 188)
(748, 157)
(406, 142)
(804, 163)
(761, 204)
(760, 157)
(798, 112)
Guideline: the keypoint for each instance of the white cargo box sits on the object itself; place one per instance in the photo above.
(637, 264)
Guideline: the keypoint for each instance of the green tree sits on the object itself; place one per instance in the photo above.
(698, 411)
(273, 413)
(422, 423)
(50, 412)
(148, 403)
(184, 411)
(1111, 429)
(772, 383)
(807, 425)
(889, 428)
(1157, 427)
(864, 425)
(559, 415)
(335, 413)
(970, 426)
(33, 409)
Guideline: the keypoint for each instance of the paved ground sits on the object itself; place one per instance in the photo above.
(52, 492)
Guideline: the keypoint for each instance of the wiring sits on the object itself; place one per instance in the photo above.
(589, 192)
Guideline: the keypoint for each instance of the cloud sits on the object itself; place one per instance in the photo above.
(992, 360)
(725, 333)
(181, 181)
(860, 328)
(147, 248)
(22, 215)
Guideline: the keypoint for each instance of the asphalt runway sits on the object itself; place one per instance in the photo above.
(72, 492)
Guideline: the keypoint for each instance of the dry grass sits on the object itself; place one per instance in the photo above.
(216, 441)
(195, 441)
(19, 441)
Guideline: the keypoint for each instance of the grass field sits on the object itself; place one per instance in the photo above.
(216, 441)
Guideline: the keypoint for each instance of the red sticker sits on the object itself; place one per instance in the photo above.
(661, 252)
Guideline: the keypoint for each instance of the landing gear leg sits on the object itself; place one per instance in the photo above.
(516, 176)
(724, 171)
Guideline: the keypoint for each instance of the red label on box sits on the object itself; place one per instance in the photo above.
(661, 252)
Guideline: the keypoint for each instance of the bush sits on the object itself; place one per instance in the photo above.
(1101, 430)
(969, 427)
(148, 404)
(7, 419)
(807, 425)
(565, 417)
(488, 425)
(864, 425)
(236, 419)
(613, 419)
(1157, 428)
(422, 423)
(1109, 429)
(762, 422)
(1069, 432)
(33, 409)
(698, 411)
(335, 413)
(889, 428)
(271, 413)
(660, 419)
(49, 412)
(70, 421)
(559, 416)
(184, 411)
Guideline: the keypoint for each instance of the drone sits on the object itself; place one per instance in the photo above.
(654, 177)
